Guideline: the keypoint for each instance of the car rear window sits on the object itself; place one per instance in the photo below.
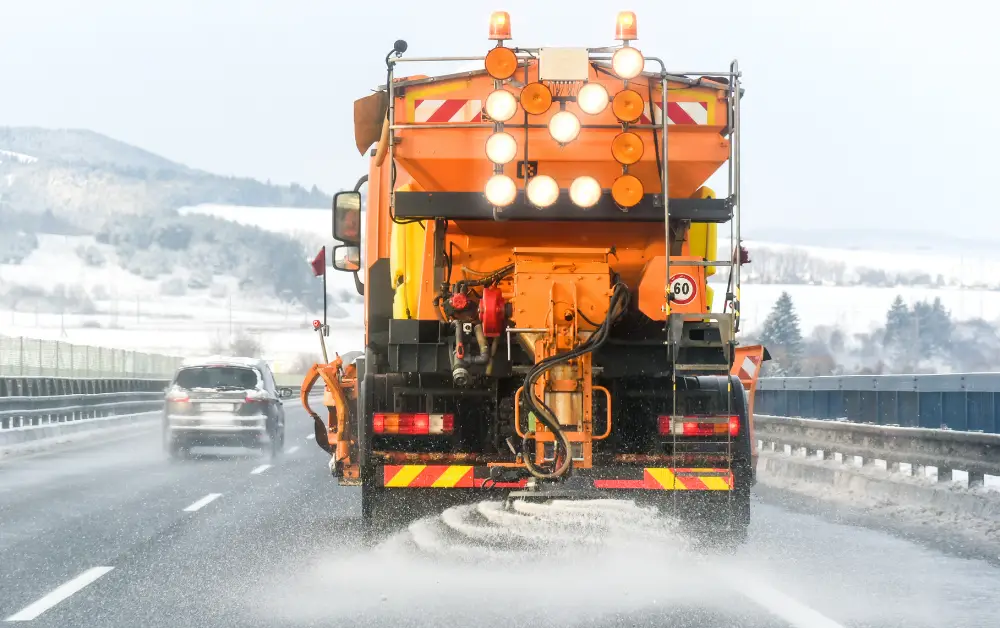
(217, 377)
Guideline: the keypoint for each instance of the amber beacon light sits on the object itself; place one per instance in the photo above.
(626, 28)
(500, 25)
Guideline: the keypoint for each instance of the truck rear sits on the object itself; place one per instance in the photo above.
(534, 258)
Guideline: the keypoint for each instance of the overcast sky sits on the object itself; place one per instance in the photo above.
(876, 112)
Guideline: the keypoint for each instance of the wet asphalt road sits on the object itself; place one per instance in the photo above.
(114, 534)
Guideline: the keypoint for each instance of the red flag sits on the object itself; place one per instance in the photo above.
(319, 264)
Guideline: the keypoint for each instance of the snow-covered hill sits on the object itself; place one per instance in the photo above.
(127, 311)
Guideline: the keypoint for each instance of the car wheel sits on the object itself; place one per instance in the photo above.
(176, 450)
(171, 446)
(277, 442)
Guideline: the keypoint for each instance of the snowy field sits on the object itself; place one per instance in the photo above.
(855, 309)
(131, 313)
(974, 269)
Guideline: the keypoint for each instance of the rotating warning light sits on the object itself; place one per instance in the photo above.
(564, 127)
(585, 192)
(628, 105)
(626, 27)
(501, 105)
(501, 148)
(593, 98)
(501, 63)
(627, 63)
(627, 148)
(500, 190)
(500, 25)
(542, 191)
(627, 191)
(536, 98)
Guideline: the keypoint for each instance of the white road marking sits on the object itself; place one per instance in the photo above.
(204, 501)
(262, 468)
(794, 612)
(59, 594)
(310, 437)
(292, 450)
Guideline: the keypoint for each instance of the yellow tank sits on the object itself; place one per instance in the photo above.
(703, 241)
(406, 247)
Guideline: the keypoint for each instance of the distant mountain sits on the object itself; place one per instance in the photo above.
(83, 177)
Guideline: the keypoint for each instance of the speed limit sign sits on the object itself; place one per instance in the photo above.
(683, 287)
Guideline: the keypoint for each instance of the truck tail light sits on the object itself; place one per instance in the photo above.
(698, 426)
(410, 424)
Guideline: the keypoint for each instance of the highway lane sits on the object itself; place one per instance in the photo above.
(114, 534)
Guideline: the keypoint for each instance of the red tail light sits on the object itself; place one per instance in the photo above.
(692, 426)
(256, 397)
(413, 424)
(178, 397)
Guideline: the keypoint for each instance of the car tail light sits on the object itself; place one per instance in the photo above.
(178, 397)
(698, 426)
(410, 424)
(256, 397)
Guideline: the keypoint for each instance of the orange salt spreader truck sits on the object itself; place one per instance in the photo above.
(537, 318)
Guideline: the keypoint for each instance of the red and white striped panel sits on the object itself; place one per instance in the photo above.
(678, 113)
(452, 110)
(749, 368)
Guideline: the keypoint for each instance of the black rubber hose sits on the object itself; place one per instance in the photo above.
(545, 414)
(488, 280)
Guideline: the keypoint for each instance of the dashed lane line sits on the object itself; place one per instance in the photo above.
(294, 449)
(59, 594)
(204, 501)
(262, 468)
(791, 610)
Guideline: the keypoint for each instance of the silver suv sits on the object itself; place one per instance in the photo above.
(224, 402)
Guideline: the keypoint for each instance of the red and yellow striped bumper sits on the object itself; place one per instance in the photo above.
(634, 478)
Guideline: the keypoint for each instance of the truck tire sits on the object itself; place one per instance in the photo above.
(720, 522)
(370, 495)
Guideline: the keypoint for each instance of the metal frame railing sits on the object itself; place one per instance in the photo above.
(22, 357)
(961, 401)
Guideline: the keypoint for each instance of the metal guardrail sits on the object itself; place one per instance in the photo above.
(962, 401)
(976, 453)
(27, 412)
(29, 402)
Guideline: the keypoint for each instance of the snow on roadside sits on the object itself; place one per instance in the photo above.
(900, 507)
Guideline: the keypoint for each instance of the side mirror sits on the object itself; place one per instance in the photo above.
(347, 257)
(347, 217)
(285, 393)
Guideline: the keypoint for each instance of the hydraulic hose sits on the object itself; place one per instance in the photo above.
(543, 413)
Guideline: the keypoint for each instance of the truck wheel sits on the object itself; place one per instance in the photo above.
(371, 511)
(729, 529)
